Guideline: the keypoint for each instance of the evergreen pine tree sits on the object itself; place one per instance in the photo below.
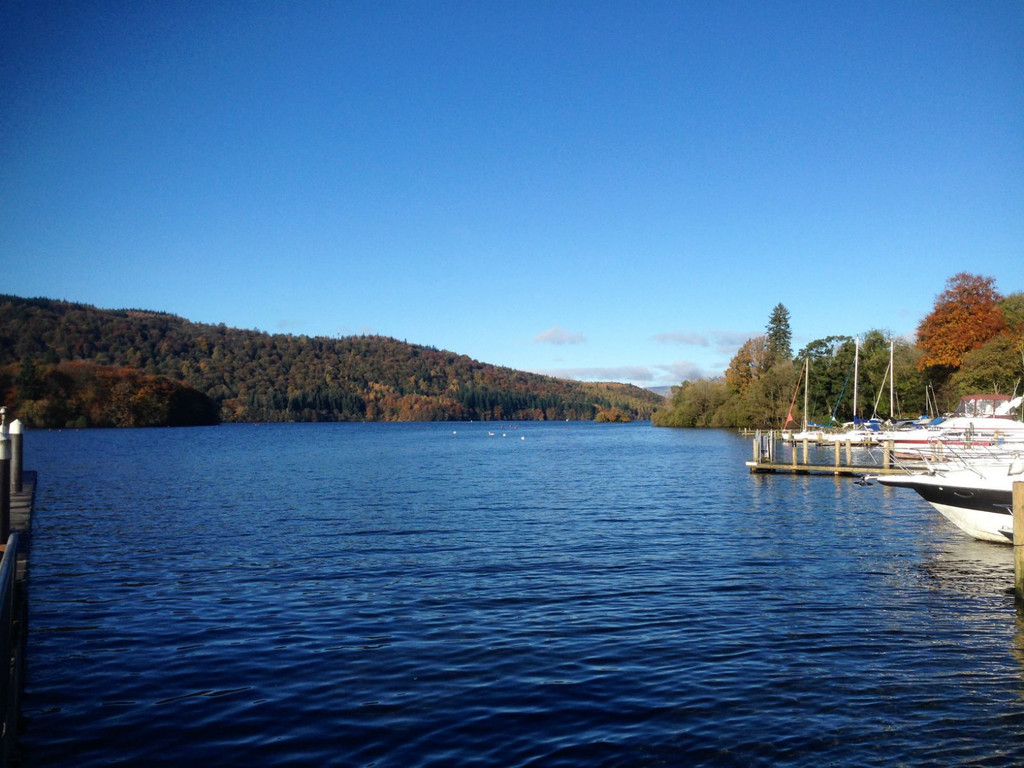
(778, 335)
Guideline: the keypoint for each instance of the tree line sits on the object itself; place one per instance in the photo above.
(971, 342)
(79, 394)
(59, 360)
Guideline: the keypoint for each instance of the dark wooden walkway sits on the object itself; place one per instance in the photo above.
(14, 615)
(21, 518)
(839, 470)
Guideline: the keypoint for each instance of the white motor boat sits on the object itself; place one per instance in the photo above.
(977, 498)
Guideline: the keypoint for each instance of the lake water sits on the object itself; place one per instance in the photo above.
(412, 595)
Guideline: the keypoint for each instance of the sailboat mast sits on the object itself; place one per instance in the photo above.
(892, 385)
(807, 387)
(856, 364)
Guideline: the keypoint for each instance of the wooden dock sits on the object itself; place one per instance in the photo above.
(17, 498)
(21, 519)
(851, 470)
(772, 455)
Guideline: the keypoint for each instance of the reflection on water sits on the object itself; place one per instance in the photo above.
(970, 566)
(1018, 642)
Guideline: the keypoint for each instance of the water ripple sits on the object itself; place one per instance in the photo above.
(396, 595)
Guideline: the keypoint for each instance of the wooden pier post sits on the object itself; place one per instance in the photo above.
(837, 453)
(1018, 543)
(887, 454)
(805, 450)
(16, 455)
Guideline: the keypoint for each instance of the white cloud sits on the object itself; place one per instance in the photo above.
(728, 342)
(558, 335)
(724, 342)
(686, 370)
(625, 373)
(682, 337)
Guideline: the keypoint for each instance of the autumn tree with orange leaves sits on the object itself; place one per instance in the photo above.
(965, 317)
(748, 364)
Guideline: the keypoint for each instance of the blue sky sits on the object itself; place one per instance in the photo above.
(601, 190)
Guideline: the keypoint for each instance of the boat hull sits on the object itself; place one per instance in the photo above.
(986, 513)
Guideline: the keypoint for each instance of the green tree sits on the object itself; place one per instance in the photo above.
(1012, 308)
(767, 401)
(830, 380)
(831, 377)
(996, 367)
(903, 388)
(778, 336)
(693, 404)
(29, 381)
(253, 376)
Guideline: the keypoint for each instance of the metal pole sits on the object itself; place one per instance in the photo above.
(16, 455)
(856, 366)
(5, 488)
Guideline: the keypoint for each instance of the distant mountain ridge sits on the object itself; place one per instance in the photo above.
(253, 376)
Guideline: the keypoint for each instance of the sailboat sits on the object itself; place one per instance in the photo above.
(852, 431)
(859, 431)
(806, 433)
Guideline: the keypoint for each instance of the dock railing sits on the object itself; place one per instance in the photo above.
(770, 453)
(15, 531)
(11, 650)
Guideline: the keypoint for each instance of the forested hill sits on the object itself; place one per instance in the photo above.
(253, 376)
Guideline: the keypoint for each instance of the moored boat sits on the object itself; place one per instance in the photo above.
(979, 421)
(977, 498)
